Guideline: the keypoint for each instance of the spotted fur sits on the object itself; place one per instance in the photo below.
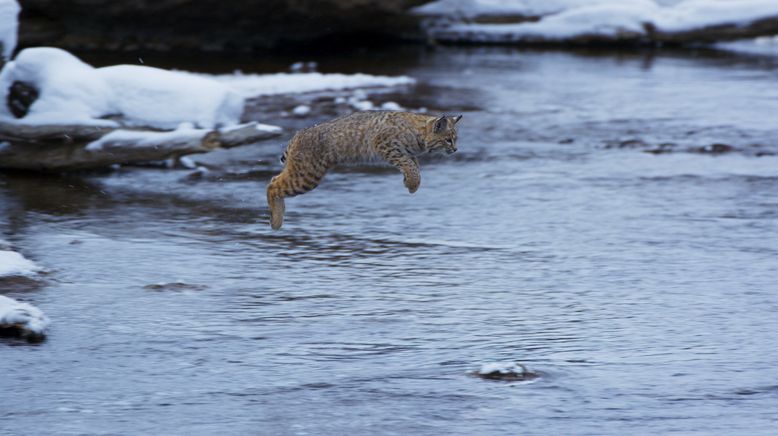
(396, 137)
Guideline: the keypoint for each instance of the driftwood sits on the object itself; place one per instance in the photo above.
(74, 147)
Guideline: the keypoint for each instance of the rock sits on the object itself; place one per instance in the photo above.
(717, 149)
(21, 96)
(209, 25)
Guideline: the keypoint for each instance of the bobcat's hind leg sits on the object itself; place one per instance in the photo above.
(275, 201)
(292, 181)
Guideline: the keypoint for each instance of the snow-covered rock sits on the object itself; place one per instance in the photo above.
(73, 92)
(9, 12)
(506, 371)
(14, 264)
(23, 318)
(565, 20)
(301, 110)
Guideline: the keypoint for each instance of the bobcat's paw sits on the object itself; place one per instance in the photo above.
(412, 185)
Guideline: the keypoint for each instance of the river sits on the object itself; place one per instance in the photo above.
(588, 227)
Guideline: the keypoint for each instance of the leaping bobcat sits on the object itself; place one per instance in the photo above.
(397, 137)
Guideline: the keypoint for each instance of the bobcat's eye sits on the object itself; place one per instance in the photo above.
(450, 141)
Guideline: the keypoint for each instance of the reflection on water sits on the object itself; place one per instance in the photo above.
(641, 286)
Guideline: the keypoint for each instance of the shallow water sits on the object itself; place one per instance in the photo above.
(642, 287)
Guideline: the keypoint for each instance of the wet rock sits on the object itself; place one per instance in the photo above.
(666, 147)
(174, 287)
(505, 371)
(21, 95)
(209, 25)
(717, 148)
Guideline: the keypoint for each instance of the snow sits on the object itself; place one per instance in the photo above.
(145, 138)
(765, 45)
(26, 317)
(391, 106)
(501, 368)
(565, 19)
(153, 97)
(9, 11)
(14, 264)
(255, 85)
(301, 110)
(269, 128)
(72, 91)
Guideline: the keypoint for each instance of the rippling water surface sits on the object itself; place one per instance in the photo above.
(641, 286)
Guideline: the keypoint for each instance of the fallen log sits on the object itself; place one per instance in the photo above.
(77, 147)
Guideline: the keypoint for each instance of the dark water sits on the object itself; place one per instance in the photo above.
(643, 287)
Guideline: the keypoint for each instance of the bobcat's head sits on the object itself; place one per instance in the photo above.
(441, 134)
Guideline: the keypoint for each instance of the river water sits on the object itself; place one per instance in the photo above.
(587, 228)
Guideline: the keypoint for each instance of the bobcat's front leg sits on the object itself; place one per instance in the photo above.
(409, 166)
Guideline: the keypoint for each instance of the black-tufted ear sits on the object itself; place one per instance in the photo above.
(440, 125)
(457, 118)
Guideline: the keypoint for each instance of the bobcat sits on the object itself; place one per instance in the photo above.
(397, 137)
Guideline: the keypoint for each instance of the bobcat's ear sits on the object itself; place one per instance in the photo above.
(440, 125)
(457, 118)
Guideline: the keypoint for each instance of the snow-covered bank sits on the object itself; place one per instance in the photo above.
(9, 12)
(597, 20)
(22, 318)
(73, 92)
(14, 264)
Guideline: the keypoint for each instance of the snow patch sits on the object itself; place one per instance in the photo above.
(9, 12)
(391, 106)
(14, 264)
(269, 128)
(145, 138)
(28, 319)
(255, 85)
(765, 45)
(301, 110)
